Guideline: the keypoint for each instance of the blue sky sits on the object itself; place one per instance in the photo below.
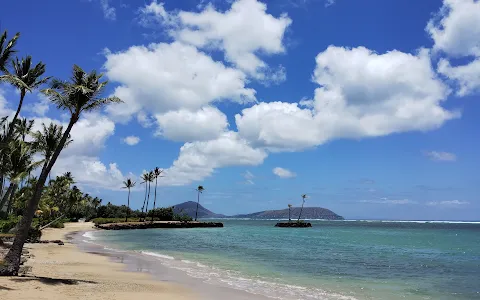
(370, 107)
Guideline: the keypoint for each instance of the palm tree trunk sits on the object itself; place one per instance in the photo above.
(15, 117)
(10, 201)
(145, 199)
(128, 205)
(11, 263)
(6, 196)
(155, 199)
(148, 199)
(198, 202)
(289, 218)
(301, 211)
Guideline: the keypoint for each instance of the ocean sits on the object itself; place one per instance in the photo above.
(331, 260)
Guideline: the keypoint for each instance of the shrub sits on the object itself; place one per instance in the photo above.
(182, 218)
(161, 214)
(100, 221)
(7, 225)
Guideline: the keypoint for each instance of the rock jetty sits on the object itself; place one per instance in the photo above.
(294, 224)
(157, 224)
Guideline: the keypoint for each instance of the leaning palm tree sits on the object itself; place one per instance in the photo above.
(199, 190)
(157, 173)
(304, 197)
(27, 79)
(128, 184)
(289, 212)
(83, 93)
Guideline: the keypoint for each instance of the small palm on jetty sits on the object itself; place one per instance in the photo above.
(199, 190)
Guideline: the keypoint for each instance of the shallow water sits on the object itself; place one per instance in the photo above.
(332, 260)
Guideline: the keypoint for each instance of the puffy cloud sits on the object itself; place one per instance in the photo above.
(467, 76)
(208, 123)
(456, 31)
(131, 140)
(361, 94)
(5, 110)
(90, 171)
(456, 28)
(163, 77)
(441, 156)
(283, 173)
(241, 32)
(198, 160)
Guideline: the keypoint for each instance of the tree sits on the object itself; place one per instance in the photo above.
(6, 51)
(20, 163)
(27, 79)
(145, 181)
(47, 140)
(304, 197)
(82, 93)
(128, 184)
(151, 176)
(289, 210)
(199, 190)
(23, 128)
(157, 173)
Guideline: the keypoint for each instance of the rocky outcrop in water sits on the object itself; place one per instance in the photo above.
(294, 224)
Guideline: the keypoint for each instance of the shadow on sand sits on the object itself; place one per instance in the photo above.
(51, 281)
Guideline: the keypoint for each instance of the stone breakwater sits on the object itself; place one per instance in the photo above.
(157, 224)
(294, 224)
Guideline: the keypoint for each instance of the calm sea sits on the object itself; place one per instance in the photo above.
(332, 260)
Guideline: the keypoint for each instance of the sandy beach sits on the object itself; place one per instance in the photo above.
(65, 272)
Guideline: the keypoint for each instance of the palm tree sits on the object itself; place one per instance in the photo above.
(151, 176)
(289, 210)
(157, 172)
(83, 93)
(199, 190)
(6, 50)
(128, 184)
(20, 163)
(27, 79)
(47, 140)
(145, 181)
(23, 127)
(304, 197)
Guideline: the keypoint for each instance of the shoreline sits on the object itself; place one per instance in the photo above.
(66, 272)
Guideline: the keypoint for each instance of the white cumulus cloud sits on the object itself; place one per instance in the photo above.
(283, 173)
(361, 94)
(131, 140)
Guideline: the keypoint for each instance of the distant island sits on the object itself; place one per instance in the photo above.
(189, 208)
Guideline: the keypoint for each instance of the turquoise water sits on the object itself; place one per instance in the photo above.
(332, 260)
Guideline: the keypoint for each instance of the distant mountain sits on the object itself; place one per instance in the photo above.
(307, 213)
(189, 208)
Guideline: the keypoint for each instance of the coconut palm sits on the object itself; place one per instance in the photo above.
(83, 93)
(199, 190)
(157, 173)
(304, 197)
(6, 50)
(289, 212)
(47, 140)
(20, 163)
(145, 178)
(128, 184)
(151, 176)
(27, 79)
(23, 128)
